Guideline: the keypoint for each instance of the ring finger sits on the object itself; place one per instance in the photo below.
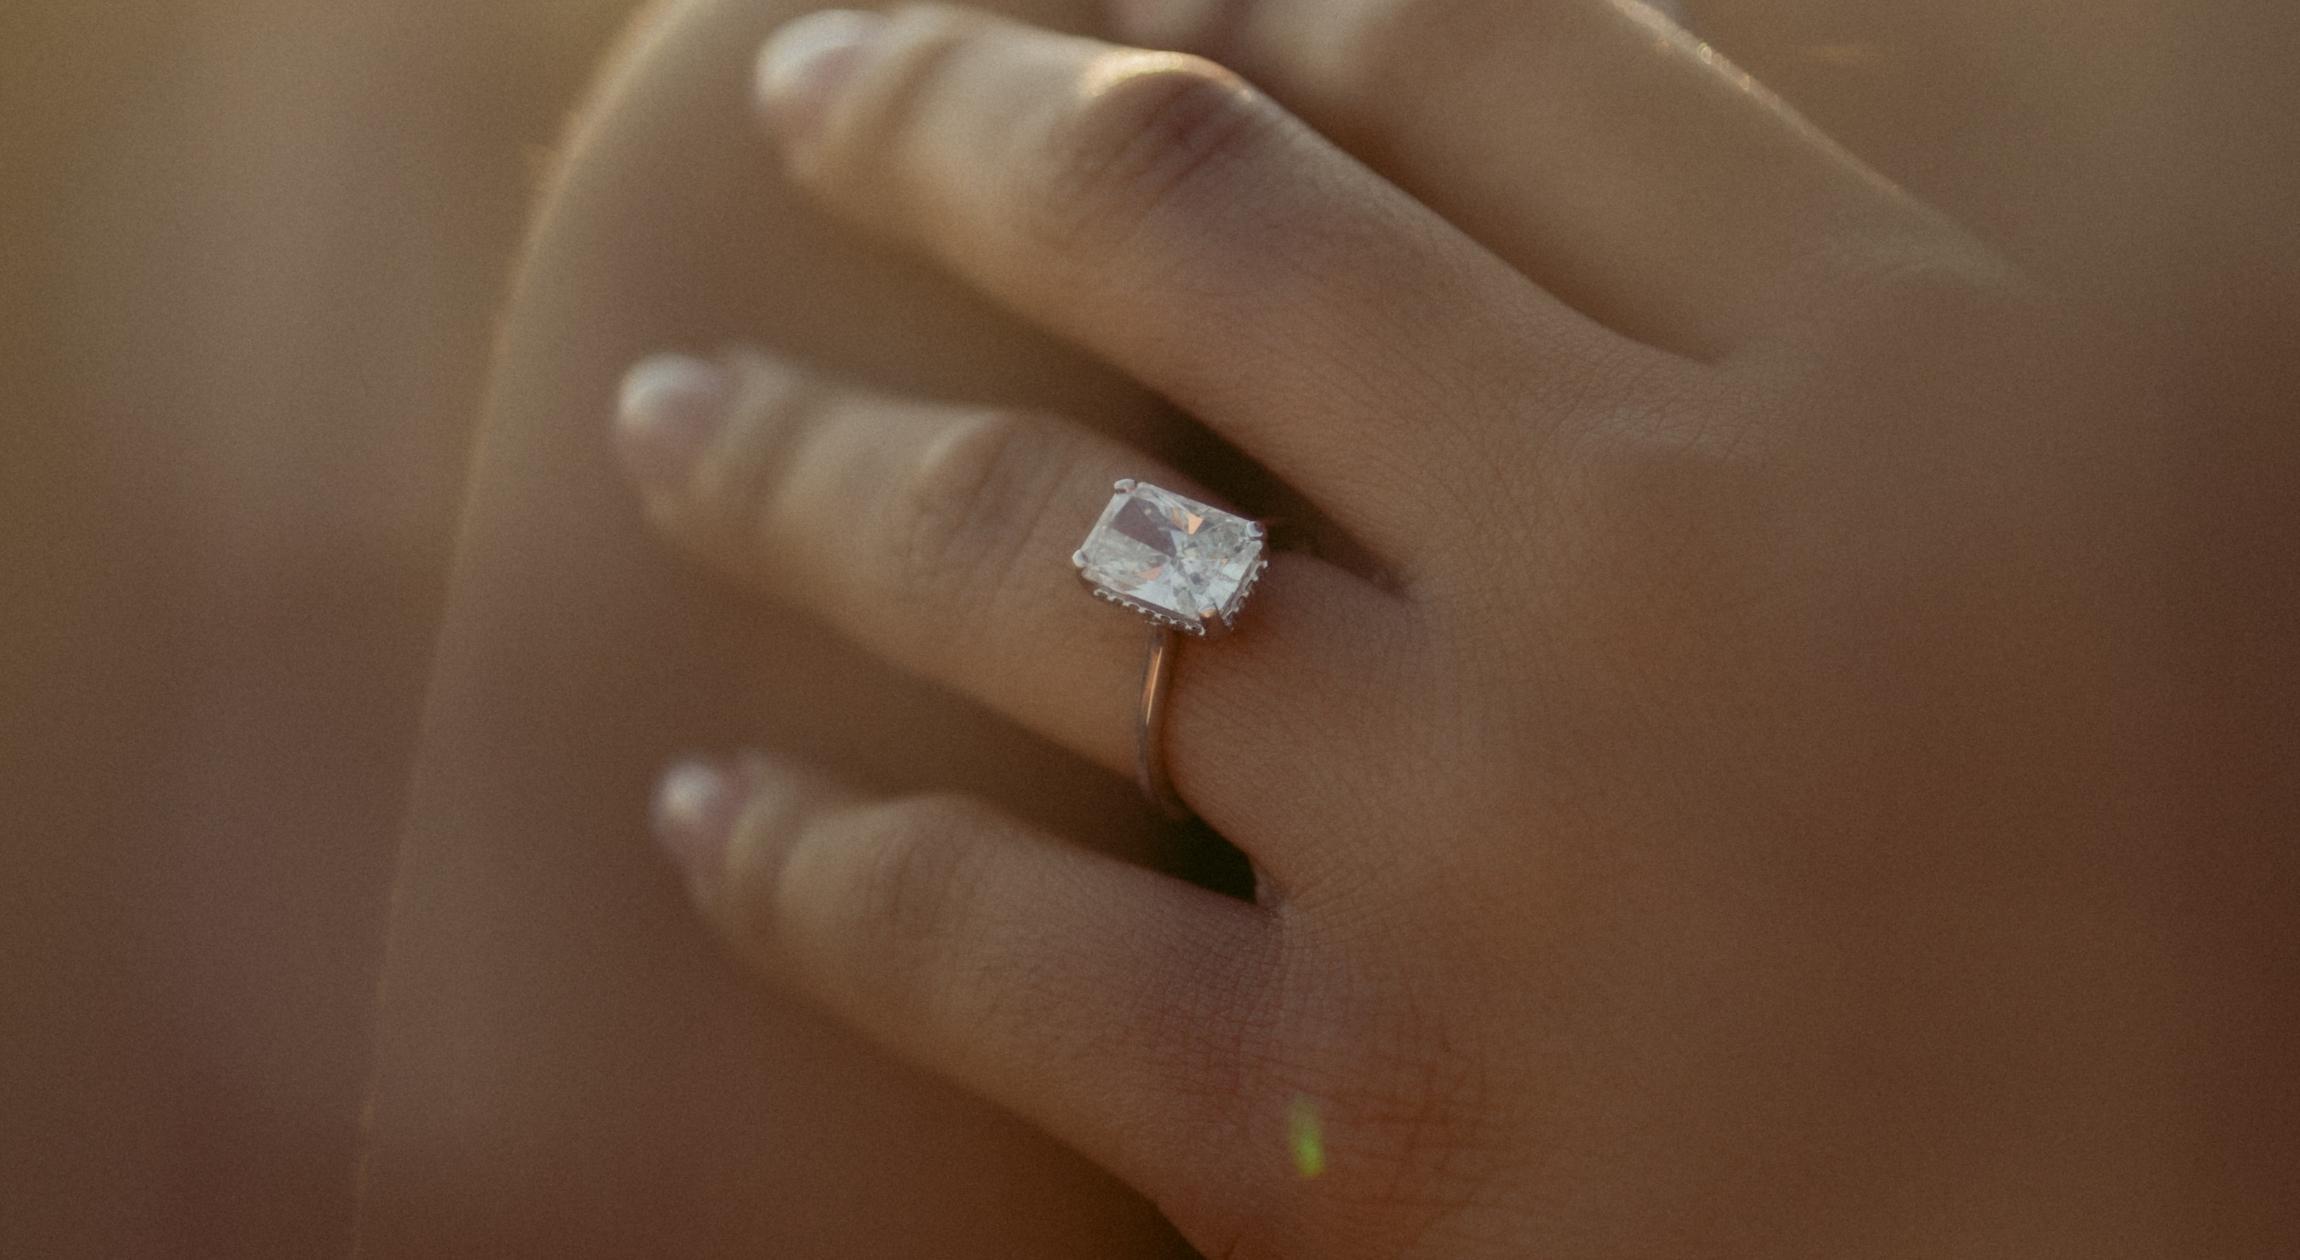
(940, 536)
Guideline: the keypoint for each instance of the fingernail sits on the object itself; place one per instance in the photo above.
(697, 804)
(670, 411)
(805, 63)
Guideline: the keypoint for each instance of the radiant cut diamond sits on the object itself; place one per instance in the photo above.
(1175, 559)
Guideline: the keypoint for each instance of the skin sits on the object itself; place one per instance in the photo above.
(640, 1095)
(1717, 804)
(664, 230)
(2145, 147)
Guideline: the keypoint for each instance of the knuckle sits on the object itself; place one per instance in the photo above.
(1144, 130)
(961, 516)
(919, 876)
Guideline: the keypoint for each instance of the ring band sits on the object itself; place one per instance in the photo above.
(1150, 725)
(1187, 567)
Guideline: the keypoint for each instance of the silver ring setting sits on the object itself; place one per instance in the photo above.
(1186, 566)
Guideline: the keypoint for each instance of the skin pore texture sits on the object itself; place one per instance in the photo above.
(1660, 1060)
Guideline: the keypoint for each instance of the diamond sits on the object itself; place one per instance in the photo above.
(1174, 559)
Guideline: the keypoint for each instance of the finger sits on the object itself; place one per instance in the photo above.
(941, 537)
(1112, 1006)
(1617, 160)
(571, 649)
(1156, 209)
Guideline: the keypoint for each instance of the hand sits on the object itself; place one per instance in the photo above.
(1700, 823)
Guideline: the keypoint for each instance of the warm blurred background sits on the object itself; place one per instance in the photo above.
(248, 257)
(248, 253)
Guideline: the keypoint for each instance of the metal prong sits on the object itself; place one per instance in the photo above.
(1078, 557)
(1124, 485)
